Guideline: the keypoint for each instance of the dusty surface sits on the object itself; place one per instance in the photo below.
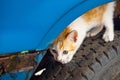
(17, 62)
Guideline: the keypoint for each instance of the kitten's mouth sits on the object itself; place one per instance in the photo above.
(61, 61)
(64, 62)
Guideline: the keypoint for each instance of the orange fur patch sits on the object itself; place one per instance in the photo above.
(68, 45)
(64, 42)
(63, 35)
(95, 14)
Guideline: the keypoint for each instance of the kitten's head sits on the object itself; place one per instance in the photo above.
(64, 46)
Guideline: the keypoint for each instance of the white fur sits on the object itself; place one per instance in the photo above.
(108, 22)
(82, 27)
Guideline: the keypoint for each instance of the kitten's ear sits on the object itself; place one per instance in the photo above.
(73, 35)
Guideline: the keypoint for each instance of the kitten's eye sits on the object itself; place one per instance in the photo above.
(54, 51)
(65, 52)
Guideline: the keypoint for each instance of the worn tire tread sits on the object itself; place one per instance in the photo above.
(92, 56)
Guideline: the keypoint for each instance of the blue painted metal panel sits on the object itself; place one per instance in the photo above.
(30, 24)
(24, 23)
(67, 18)
(34, 24)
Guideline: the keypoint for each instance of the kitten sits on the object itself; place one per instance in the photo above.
(89, 24)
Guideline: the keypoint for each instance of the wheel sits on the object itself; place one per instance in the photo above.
(95, 60)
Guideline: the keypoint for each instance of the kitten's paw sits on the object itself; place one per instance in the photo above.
(88, 34)
(108, 36)
(66, 61)
(91, 34)
(94, 31)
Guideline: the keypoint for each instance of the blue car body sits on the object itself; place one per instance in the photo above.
(34, 24)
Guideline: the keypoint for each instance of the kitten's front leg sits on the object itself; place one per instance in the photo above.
(94, 31)
(109, 33)
(109, 25)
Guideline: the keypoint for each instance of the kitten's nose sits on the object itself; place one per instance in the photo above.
(59, 59)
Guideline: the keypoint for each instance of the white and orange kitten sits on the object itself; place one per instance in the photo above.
(67, 43)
